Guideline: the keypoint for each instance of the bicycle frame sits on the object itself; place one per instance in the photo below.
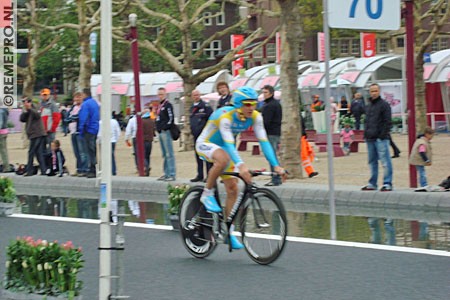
(241, 202)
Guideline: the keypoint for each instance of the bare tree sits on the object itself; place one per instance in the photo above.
(88, 12)
(189, 15)
(35, 48)
(435, 13)
(291, 127)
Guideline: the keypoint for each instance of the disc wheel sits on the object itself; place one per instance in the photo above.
(264, 227)
(196, 224)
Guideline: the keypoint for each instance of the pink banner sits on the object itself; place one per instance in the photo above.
(7, 13)
(368, 44)
(320, 46)
(237, 64)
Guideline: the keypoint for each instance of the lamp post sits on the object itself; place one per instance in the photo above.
(410, 78)
(132, 18)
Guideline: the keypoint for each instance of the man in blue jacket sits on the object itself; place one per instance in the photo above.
(88, 125)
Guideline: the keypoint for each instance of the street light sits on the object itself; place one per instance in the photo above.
(132, 18)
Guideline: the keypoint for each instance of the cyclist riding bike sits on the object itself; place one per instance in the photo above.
(217, 144)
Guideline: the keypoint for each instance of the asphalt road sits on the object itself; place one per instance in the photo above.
(158, 267)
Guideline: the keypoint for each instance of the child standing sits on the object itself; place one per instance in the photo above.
(57, 160)
(421, 154)
(347, 137)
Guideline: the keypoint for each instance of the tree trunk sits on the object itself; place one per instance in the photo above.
(188, 141)
(291, 131)
(86, 65)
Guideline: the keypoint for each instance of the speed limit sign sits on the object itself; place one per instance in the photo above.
(364, 14)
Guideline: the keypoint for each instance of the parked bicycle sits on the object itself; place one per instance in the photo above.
(261, 219)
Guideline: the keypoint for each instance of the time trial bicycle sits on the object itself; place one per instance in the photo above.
(258, 212)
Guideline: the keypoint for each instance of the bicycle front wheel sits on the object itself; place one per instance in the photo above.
(196, 224)
(264, 226)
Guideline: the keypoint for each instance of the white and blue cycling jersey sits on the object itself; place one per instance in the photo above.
(222, 129)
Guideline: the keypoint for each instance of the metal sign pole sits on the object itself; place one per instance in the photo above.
(105, 185)
(326, 31)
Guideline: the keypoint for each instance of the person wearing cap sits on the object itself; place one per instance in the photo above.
(317, 104)
(36, 134)
(50, 117)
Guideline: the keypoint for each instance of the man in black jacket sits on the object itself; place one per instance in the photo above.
(377, 129)
(272, 115)
(165, 118)
(200, 112)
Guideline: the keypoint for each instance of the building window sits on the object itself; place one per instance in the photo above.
(400, 42)
(207, 21)
(258, 53)
(356, 47)
(383, 46)
(271, 50)
(435, 45)
(214, 49)
(220, 19)
(444, 43)
(195, 45)
(344, 46)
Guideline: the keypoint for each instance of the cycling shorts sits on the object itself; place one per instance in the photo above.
(206, 150)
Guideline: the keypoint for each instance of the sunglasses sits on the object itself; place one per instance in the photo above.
(249, 103)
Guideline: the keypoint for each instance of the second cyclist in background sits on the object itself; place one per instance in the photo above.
(217, 144)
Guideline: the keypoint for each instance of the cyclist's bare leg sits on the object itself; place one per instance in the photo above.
(220, 162)
(231, 187)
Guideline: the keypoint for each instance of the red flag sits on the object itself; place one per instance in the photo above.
(236, 41)
(278, 47)
(368, 44)
(321, 46)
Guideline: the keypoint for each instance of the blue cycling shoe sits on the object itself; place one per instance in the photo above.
(210, 204)
(235, 244)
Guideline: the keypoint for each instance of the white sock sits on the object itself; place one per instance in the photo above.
(208, 192)
(231, 229)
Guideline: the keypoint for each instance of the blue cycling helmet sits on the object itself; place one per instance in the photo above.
(243, 93)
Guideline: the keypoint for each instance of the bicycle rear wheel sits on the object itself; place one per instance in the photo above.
(264, 226)
(196, 224)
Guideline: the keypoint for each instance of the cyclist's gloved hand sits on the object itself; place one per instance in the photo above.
(282, 172)
(245, 173)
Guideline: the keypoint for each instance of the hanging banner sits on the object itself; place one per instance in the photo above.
(93, 45)
(392, 93)
(368, 44)
(320, 46)
(278, 47)
(236, 65)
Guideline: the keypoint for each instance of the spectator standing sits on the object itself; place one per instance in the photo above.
(200, 112)
(64, 124)
(272, 116)
(225, 96)
(36, 134)
(50, 117)
(148, 129)
(164, 121)
(394, 147)
(78, 144)
(115, 134)
(333, 113)
(88, 125)
(130, 135)
(357, 109)
(3, 137)
(307, 152)
(421, 154)
(377, 129)
(317, 104)
(344, 108)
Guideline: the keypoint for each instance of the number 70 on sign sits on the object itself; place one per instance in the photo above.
(364, 14)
